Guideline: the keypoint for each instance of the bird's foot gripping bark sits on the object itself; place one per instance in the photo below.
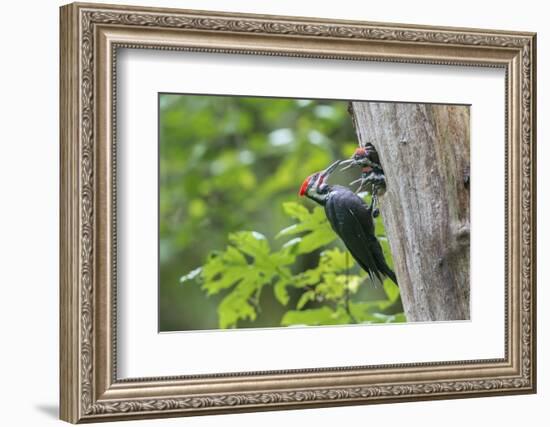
(374, 201)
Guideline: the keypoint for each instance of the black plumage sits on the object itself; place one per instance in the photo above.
(351, 219)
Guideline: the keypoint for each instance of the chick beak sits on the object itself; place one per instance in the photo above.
(349, 163)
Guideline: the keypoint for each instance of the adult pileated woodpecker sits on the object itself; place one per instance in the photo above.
(351, 219)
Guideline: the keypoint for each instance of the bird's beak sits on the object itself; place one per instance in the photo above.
(328, 171)
(349, 163)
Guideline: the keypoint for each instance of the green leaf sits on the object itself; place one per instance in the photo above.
(246, 276)
(296, 210)
(332, 287)
(391, 289)
(337, 260)
(293, 242)
(284, 257)
(223, 270)
(230, 277)
(250, 242)
(233, 256)
(315, 240)
(236, 306)
(305, 298)
(314, 224)
(280, 292)
(291, 229)
(317, 316)
(308, 277)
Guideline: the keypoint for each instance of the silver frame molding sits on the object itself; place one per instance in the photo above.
(90, 37)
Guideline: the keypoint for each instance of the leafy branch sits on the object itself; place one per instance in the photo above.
(325, 294)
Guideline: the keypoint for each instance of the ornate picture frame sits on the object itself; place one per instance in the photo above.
(90, 37)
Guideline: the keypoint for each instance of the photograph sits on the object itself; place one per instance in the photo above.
(278, 212)
(261, 211)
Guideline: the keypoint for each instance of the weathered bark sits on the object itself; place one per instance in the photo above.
(424, 151)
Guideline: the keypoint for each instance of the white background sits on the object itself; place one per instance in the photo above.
(29, 170)
(143, 352)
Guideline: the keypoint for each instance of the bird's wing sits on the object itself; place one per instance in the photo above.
(343, 211)
(352, 220)
(361, 248)
(363, 215)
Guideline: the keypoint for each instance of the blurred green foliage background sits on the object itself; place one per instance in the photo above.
(230, 170)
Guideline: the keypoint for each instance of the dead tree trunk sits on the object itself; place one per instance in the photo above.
(425, 153)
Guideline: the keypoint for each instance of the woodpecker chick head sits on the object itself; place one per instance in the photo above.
(360, 154)
(364, 156)
(315, 186)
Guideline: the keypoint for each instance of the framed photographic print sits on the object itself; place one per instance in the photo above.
(265, 212)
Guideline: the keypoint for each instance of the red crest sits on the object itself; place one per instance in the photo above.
(303, 188)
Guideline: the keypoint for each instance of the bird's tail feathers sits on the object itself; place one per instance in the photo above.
(376, 278)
